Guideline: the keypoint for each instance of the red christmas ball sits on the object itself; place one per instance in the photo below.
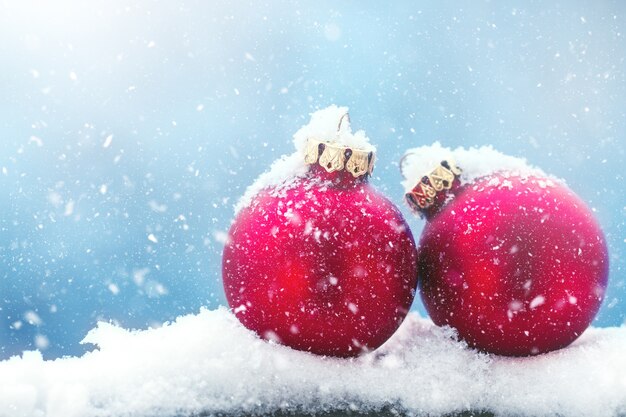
(327, 265)
(517, 265)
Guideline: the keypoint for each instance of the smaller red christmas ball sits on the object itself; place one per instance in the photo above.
(322, 263)
(516, 264)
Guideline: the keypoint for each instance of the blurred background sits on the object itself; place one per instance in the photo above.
(129, 129)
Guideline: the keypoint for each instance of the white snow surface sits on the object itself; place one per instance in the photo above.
(210, 363)
(288, 169)
(475, 163)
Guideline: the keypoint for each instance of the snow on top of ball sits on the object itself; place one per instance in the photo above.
(330, 124)
(475, 163)
(288, 169)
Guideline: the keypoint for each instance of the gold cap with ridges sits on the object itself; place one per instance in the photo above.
(429, 186)
(334, 157)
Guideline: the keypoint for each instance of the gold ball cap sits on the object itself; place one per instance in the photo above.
(335, 157)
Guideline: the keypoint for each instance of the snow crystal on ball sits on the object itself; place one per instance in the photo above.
(288, 169)
(209, 363)
(474, 162)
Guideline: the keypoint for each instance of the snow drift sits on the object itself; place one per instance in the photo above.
(210, 363)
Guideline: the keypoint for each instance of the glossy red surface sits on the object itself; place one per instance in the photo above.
(517, 267)
(327, 266)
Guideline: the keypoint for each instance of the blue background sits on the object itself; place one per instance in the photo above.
(200, 97)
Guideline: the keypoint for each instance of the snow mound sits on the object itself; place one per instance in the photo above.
(475, 163)
(329, 124)
(209, 363)
(332, 124)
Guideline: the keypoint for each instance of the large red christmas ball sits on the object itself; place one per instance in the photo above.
(518, 266)
(327, 265)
